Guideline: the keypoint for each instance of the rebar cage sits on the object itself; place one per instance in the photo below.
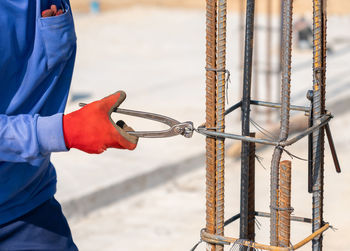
(214, 130)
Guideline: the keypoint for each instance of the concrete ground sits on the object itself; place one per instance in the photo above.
(157, 56)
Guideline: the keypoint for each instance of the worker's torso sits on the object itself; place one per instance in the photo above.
(36, 64)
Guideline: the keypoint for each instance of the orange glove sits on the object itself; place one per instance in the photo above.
(52, 12)
(92, 130)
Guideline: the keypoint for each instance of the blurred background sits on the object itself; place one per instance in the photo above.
(153, 198)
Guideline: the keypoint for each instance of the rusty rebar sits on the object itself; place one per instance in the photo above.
(285, 109)
(292, 218)
(319, 61)
(251, 191)
(332, 148)
(212, 238)
(220, 117)
(284, 203)
(210, 118)
(247, 75)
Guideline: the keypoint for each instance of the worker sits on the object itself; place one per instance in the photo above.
(37, 48)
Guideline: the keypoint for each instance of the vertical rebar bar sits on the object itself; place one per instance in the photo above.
(319, 54)
(281, 49)
(220, 117)
(268, 57)
(210, 118)
(251, 191)
(285, 108)
(309, 96)
(284, 204)
(247, 76)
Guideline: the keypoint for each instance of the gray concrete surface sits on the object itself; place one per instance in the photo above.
(158, 56)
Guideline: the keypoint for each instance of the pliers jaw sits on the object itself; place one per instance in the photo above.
(185, 129)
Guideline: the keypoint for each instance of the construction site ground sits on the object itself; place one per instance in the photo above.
(154, 197)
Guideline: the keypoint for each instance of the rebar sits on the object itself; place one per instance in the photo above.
(319, 61)
(278, 105)
(332, 147)
(220, 117)
(212, 238)
(280, 48)
(285, 109)
(292, 218)
(310, 95)
(247, 75)
(284, 204)
(251, 191)
(280, 144)
(268, 215)
(210, 118)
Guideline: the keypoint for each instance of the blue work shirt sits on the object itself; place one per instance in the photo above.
(36, 65)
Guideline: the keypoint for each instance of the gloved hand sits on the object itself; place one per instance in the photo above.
(52, 12)
(92, 130)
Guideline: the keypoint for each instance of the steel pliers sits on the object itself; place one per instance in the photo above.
(176, 128)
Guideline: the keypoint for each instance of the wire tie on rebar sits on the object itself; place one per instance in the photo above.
(294, 156)
(214, 239)
(227, 79)
(318, 69)
(291, 245)
(290, 209)
(236, 242)
(262, 130)
(251, 244)
(196, 245)
(257, 223)
(213, 128)
(333, 228)
(291, 155)
(259, 159)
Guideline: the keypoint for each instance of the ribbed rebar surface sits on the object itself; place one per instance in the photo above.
(281, 47)
(319, 54)
(220, 118)
(251, 191)
(284, 204)
(247, 76)
(210, 118)
(285, 101)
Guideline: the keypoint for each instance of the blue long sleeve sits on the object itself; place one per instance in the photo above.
(26, 137)
(36, 67)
